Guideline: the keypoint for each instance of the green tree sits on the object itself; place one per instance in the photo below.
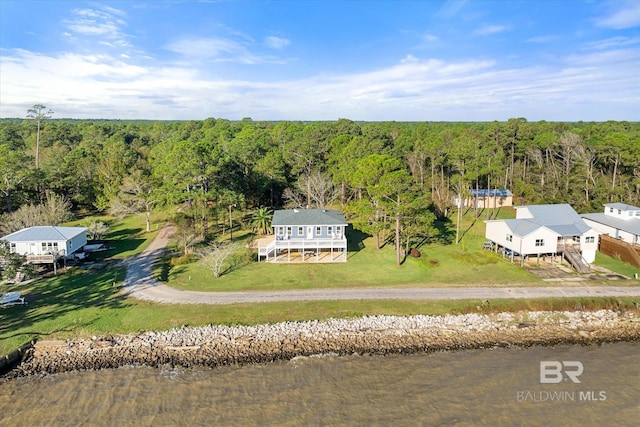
(261, 220)
(38, 113)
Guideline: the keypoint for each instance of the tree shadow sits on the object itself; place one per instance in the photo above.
(63, 303)
(444, 232)
(355, 239)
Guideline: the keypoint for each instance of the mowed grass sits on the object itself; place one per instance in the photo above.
(81, 304)
(465, 264)
(85, 302)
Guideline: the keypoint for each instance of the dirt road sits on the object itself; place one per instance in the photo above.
(139, 283)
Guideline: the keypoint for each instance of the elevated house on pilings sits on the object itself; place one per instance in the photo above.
(47, 244)
(306, 235)
(545, 231)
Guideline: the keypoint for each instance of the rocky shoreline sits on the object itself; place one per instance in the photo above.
(217, 345)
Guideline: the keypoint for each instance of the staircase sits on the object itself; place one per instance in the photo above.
(574, 257)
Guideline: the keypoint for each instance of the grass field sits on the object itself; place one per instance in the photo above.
(465, 264)
(84, 302)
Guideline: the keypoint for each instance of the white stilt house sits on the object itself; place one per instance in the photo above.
(46, 244)
(315, 235)
(545, 230)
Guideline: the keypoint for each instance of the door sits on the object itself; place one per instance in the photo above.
(309, 232)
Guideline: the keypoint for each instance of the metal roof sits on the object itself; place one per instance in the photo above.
(483, 192)
(631, 225)
(308, 217)
(622, 206)
(521, 227)
(560, 218)
(44, 233)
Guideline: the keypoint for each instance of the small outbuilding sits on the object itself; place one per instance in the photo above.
(486, 198)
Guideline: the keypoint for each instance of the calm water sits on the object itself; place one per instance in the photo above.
(483, 387)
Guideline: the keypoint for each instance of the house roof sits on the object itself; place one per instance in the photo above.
(521, 227)
(631, 225)
(560, 218)
(483, 192)
(622, 206)
(308, 217)
(44, 233)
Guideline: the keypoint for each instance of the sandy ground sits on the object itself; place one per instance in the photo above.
(139, 283)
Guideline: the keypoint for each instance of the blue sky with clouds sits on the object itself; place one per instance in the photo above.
(372, 60)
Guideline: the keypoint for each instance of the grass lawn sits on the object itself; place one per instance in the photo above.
(465, 264)
(85, 302)
(616, 265)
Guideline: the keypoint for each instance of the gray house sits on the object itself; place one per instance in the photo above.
(302, 235)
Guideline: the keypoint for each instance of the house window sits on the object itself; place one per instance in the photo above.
(279, 231)
(590, 239)
(509, 238)
(610, 210)
(318, 230)
(289, 231)
(630, 213)
(638, 213)
(300, 231)
(12, 248)
(576, 239)
(539, 242)
(330, 230)
(619, 212)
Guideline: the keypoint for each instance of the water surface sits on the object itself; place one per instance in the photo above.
(479, 387)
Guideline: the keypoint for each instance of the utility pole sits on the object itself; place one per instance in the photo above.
(231, 223)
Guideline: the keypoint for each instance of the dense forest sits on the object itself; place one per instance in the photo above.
(394, 177)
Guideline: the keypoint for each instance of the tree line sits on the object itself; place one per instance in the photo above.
(391, 178)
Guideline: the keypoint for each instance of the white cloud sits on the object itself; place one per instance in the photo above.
(221, 49)
(487, 29)
(274, 42)
(627, 15)
(542, 39)
(450, 8)
(594, 86)
(613, 42)
(430, 38)
(100, 23)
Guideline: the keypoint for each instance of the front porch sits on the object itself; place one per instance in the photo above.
(303, 250)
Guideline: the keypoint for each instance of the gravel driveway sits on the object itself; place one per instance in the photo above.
(139, 283)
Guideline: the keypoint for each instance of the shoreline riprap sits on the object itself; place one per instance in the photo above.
(218, 345)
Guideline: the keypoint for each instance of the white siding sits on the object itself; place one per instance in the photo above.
(611, 231)
(497, 231)
(550, 240)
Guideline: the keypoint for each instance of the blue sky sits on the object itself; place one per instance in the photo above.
(322, 60)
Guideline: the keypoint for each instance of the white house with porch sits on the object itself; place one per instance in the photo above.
(545, 230)
(45, 244)
(619, 220)
(306, 235)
